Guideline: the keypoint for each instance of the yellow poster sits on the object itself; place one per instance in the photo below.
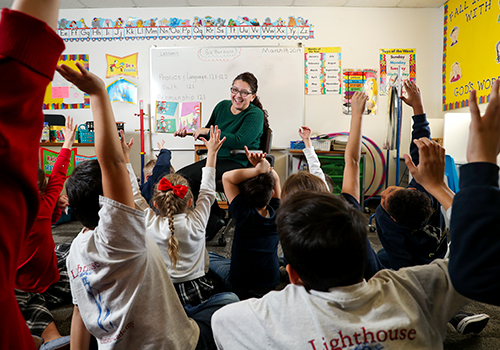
(122, 65)
(471, 50)
(61, 94)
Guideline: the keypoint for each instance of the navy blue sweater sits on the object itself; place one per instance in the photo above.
(405, 246)
(475, 232)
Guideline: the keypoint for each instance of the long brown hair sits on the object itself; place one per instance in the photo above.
(251, 80)
(168, 205)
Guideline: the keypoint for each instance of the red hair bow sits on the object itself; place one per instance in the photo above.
(179, 190)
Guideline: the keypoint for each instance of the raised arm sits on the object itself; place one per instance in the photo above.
(430, 171)
(474, 267)
(213, 144)
(44, 10)
(231, 179)
(350, 181)
(420, 124)
(311, 156)
(115, 178)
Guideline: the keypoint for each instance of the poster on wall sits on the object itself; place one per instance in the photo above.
(322, 70)
(390, 61)
(61, 94)
(471, 51)
(79, 158)
(122, 90)
(122, 65)
(364, 80)
(48, 159)
(165, 116)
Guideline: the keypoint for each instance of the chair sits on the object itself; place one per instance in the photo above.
(265, 146)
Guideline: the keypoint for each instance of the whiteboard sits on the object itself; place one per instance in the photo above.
(456, 135)
(205, 74)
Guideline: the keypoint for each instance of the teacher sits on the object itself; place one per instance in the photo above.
(242, 121)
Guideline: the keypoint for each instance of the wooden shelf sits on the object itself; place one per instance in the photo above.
(76, 144)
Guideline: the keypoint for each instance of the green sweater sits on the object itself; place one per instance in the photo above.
(243, 129)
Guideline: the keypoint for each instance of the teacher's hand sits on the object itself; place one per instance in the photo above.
(180, 133)
(200, 132)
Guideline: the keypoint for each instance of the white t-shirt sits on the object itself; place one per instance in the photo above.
(406, 309)
(189, 229)
(121, 286)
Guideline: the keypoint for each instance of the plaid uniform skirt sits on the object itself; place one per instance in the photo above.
(35, 306)
(194, 292)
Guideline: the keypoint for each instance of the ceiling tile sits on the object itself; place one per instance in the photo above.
(6, 3)
(107, 3)
(319, 3)
(372, 3)
(266, 2)
(421, 3)
(209, 3)
(71, 4)
(161, 3)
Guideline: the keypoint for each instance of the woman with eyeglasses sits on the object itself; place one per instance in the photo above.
(242, 121)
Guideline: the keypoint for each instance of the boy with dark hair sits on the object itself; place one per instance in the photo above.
(155, 170)
(253, 195)
(409, 222)
(120, 285)
(323, 239)
(474, 266)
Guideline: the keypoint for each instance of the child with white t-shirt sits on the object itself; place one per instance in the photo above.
(121, 289)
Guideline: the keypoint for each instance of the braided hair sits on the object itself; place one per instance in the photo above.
(251, 80)
(168, 205)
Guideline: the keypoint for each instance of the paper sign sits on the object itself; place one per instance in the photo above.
(60, 92)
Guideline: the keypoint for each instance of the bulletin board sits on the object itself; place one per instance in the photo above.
(194, 74)
(471, 50)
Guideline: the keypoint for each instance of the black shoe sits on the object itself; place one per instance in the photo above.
(465, 322)
(213, 227)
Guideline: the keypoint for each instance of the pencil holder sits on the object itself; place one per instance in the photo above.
(84, 135)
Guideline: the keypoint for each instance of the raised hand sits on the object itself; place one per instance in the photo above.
(358, 102)
(213, 145)
(126, 147)
(86, 81)
(263, 166)
(484, 132)
(69, 132)
(161, 145)
(430, 170)
(254, 157)
(305, 135)
(414, 98)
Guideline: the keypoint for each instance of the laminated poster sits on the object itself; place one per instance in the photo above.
(165, 116)
(61, 94)
(471, 51)
(48, 159)
(122, 65)
(122, 90)
(79, 158)
(364, 80)
(390, 61)
(322, 70)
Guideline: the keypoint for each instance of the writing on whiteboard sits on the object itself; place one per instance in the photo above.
(219, 54)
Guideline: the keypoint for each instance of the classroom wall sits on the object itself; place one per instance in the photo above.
(360, 32)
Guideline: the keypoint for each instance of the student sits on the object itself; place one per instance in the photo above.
(154, 170)
(253, 195)
(474, 267)
(121, 289)
(409, 221)
(323, 239)
(37, 264)
(25, 31)
(178, 230)
(307, 181)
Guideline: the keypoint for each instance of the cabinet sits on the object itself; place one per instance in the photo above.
(332, 164)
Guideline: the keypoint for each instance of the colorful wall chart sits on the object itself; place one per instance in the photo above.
(322, 70)
(360, 80)
(208, 27)
(79, 158)
(165, 116)
(122, 65)
(390, 61)
(60, 94)
(48, 159)
(471, 50)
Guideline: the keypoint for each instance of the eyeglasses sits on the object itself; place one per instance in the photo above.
(243, 93)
